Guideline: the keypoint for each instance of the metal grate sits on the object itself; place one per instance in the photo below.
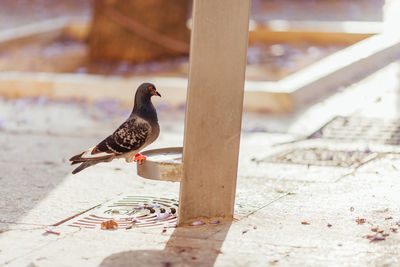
(131, 212)
(355, 129)
(321, 157)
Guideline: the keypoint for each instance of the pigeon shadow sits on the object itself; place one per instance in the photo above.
(187, 246)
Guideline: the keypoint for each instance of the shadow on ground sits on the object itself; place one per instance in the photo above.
(31, 171)
(187, 246)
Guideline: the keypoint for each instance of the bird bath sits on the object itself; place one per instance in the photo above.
(163, 164)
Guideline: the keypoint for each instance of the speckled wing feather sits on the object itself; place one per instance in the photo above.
(130, 136)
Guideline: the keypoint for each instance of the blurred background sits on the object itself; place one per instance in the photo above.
(97, 52)
(93, 54)
(113, 37)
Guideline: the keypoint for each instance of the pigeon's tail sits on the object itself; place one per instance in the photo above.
(88, 163)
(84, 165)
(87, 159)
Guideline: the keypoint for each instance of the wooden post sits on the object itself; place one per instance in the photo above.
(214, 108)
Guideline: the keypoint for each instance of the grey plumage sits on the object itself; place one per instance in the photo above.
(137, 132)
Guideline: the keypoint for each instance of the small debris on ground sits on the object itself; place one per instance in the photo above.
(151, 205)
(215, 222)
(162, 216)
(51, 231)
(375, 238)
(196, 223)
(245, 231)
(351, 209)
(305, 223)
(361, 221)
(389, 218)
(111, 224)
(394, 230)
(150, 209)
(329, 225)
(381, 211)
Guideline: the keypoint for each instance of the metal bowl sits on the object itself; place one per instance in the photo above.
(163, 164)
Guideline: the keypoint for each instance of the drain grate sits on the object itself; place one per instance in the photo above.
(322, 157)
(354, 129)
(146, 212)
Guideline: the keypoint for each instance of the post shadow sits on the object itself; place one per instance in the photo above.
(187, 246)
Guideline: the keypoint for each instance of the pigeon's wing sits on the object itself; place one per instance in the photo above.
(130, 136)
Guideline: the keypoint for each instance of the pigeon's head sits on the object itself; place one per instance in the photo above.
(147, 90)
(143, 98)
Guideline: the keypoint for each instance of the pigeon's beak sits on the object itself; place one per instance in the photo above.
(154, 92)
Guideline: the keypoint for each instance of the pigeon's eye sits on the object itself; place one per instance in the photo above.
(150, 88)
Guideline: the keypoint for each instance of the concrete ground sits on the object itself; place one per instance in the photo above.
(285, 214)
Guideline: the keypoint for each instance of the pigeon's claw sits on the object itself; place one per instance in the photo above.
(139, 158)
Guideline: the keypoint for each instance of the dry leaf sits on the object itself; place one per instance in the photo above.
(361, 221)
(375, 238)
(111, 224)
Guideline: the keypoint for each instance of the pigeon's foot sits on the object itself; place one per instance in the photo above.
(139, 158)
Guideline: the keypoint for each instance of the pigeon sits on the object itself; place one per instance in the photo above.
(138, 131)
